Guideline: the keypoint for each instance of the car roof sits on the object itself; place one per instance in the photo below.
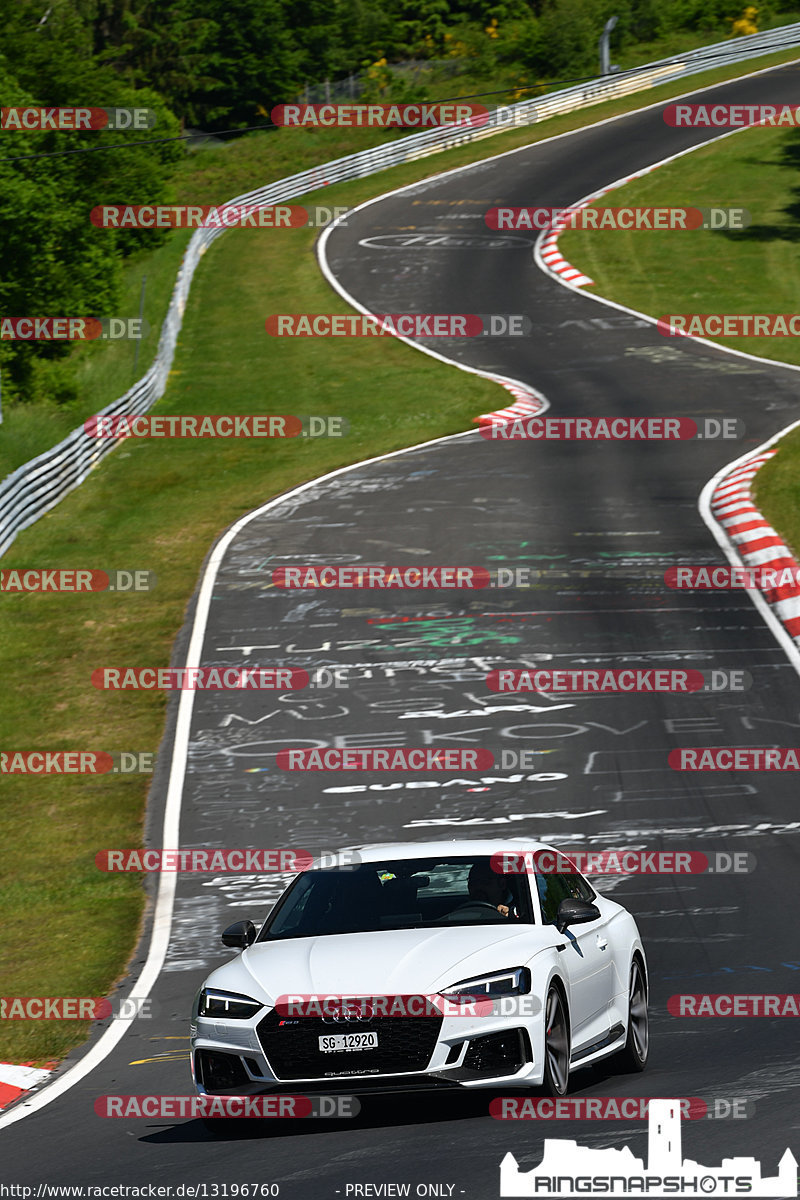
(444, 848)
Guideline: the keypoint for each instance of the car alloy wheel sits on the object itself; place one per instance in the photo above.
(556, 1045)
(638, 1024)
(633, 1055)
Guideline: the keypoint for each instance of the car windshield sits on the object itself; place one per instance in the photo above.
(399, 894)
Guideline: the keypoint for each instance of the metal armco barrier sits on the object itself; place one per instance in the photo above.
(37, 486)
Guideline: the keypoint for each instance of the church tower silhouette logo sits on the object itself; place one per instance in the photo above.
(568, 1169)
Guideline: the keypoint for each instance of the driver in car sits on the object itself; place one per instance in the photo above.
(488, 886)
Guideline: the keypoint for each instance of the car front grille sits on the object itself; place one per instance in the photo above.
(405, 1044)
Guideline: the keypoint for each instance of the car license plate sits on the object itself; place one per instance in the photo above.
(330, 1042)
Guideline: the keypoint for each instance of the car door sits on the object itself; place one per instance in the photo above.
(585, 956)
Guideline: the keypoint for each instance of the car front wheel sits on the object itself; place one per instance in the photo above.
(633, 1056)
(556, 1045)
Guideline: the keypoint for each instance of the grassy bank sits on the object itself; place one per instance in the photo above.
(752, 270)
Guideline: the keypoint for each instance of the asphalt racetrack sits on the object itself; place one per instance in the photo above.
(598, 524)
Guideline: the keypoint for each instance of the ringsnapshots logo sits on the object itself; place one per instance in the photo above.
(229, 425)
(567, 1169)
(379, 116)
(615, 429)
(409, 325)
(75, 120)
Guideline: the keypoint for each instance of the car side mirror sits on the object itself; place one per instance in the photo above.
(240, 935)
(575, 912)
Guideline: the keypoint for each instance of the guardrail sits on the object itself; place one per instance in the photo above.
(38, 485)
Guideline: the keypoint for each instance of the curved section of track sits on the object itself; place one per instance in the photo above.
(598, 524)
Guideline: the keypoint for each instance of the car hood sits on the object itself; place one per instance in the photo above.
(393, 962)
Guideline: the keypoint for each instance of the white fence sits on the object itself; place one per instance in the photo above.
(37, 486)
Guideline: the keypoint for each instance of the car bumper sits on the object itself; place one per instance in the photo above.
(263, 1055)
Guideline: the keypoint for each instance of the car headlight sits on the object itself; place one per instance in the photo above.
(228, 1005)
(516, 981)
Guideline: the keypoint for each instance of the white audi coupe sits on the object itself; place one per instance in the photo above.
(475, 963)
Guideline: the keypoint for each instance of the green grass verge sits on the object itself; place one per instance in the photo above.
(751, 270)
(159, 506)
(777, 491)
